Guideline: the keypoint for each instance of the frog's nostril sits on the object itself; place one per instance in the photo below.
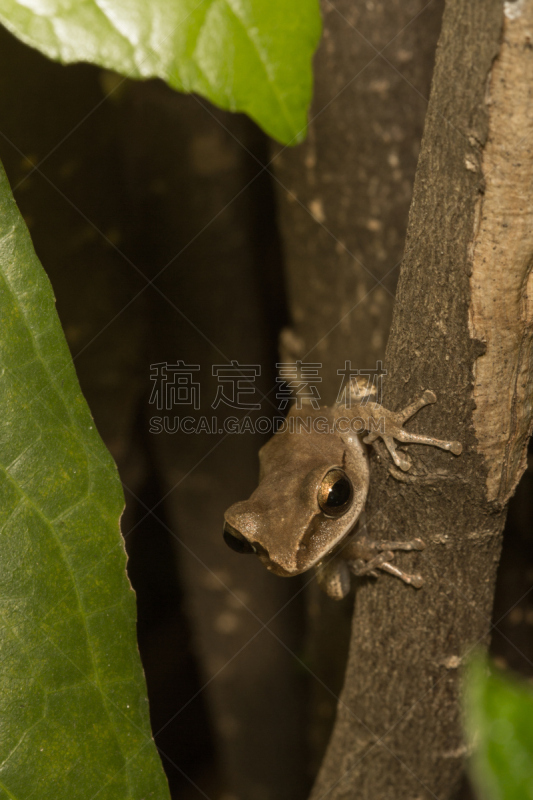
(236, 540)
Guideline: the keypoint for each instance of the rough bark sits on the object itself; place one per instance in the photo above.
(462, 327)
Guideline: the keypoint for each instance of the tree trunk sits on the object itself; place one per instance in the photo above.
(462, 327)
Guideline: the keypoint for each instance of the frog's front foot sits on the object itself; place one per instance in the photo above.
(365, 555)
(396, 431)
(382, 561)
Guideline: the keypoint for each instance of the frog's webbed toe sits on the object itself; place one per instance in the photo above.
(403, 462)
(409, 411)
(360, 567)
(413, 580)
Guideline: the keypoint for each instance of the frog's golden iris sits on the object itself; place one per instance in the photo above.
(336, 493)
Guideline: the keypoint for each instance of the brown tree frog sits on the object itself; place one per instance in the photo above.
(308, 510)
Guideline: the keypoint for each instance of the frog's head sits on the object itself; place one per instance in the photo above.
(312, 488)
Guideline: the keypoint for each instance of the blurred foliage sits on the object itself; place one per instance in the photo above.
(243, 55)
(499, 720)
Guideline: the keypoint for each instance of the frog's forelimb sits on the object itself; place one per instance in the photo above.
(388, 425)
(361, 557)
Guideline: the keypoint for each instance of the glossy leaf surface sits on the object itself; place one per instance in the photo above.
(243, 55)
(73, 709)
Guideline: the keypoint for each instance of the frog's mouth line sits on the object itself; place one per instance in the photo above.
(304, 565)
(240, 544)
(275, 568)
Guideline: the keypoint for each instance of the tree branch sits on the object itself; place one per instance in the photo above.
(462, 327)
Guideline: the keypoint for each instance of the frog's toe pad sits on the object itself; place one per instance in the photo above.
(403, 463)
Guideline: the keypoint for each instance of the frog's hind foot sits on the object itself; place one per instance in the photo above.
(333, 577)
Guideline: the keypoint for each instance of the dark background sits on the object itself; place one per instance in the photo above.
(158, 227)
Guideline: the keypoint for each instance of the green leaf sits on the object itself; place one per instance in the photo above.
(243, 55)
(499, 716)
(73, 707)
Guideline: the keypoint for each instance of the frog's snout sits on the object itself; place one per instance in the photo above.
(236, 540)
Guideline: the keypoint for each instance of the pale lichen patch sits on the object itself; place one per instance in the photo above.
(513, 9)
(452, 662)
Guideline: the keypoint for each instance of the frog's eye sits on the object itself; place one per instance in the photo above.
(236, 540)
(336, 493)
